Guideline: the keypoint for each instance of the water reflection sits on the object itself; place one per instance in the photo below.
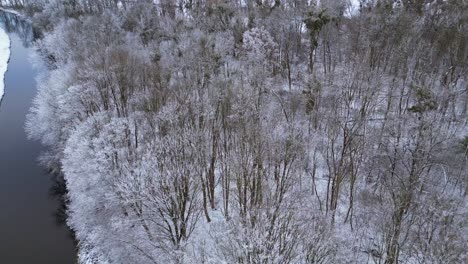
(28, 230)
(15, 24)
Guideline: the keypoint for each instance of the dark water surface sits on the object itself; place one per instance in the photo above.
(29, 233)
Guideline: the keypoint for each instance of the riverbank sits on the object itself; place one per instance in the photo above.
(28, 224)
(4, 57)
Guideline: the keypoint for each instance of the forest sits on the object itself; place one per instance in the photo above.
(256, 131)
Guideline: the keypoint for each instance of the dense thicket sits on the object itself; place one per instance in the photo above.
(285, 131)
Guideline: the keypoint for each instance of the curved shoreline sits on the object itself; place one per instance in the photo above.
(5, 52)
(31, 227)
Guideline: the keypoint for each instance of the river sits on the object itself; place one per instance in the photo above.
(29, 230)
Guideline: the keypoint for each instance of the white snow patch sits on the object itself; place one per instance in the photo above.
(4, 57)
(352, 8)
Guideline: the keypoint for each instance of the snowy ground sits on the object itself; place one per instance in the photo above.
(4, 57)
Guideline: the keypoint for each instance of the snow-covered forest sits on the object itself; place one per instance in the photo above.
(257, 131)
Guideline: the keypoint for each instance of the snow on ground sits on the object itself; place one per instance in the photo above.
(4, 57)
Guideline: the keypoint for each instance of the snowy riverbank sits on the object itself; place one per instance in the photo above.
(4, 57)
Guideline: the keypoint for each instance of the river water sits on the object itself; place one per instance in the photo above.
(29, 230)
